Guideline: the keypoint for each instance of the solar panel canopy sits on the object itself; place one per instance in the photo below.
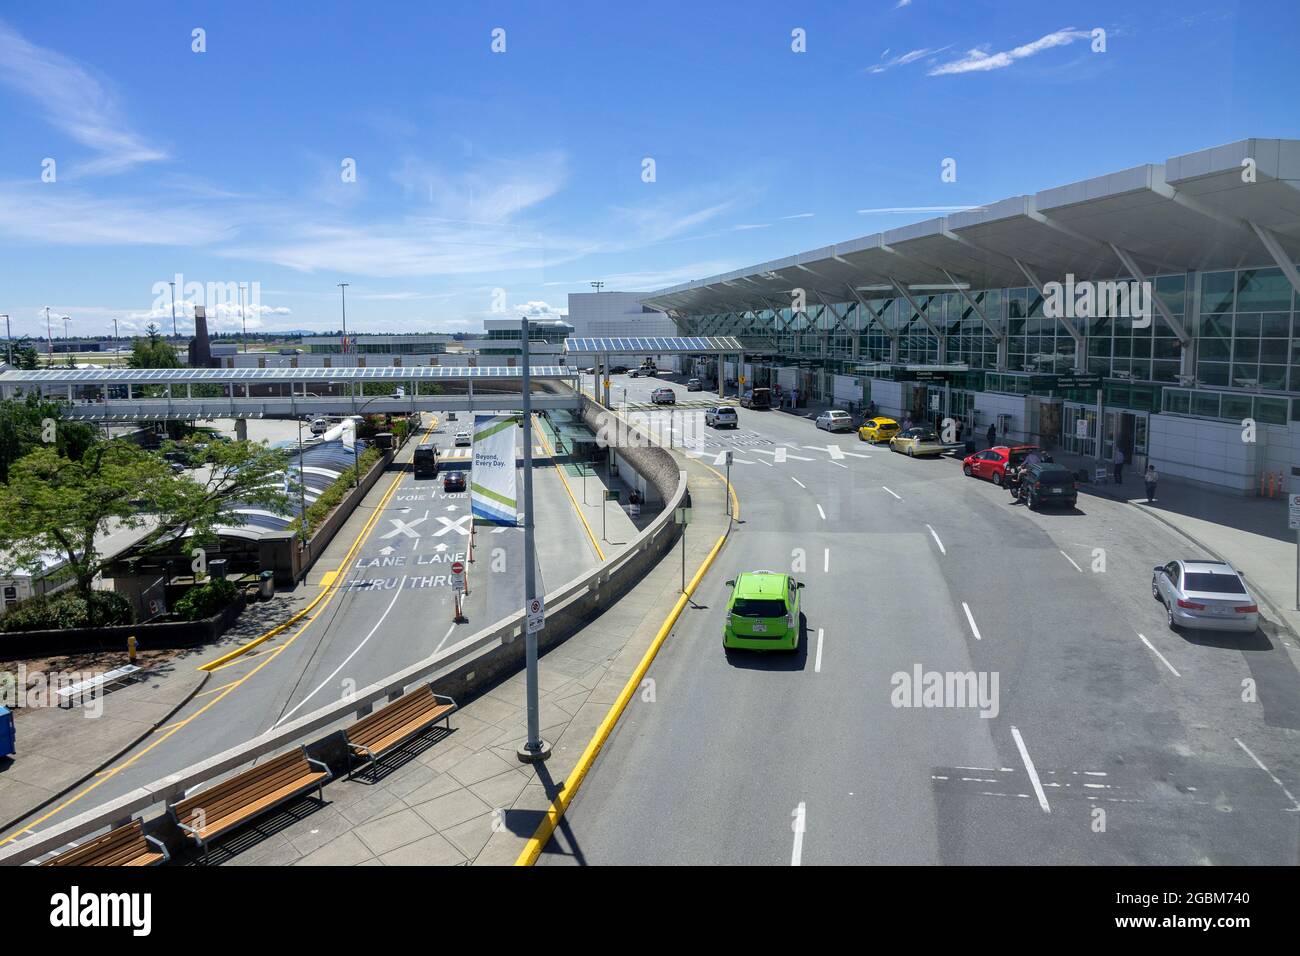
(183, 375)
(654, 344)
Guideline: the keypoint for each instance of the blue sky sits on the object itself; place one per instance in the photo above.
(522, 170)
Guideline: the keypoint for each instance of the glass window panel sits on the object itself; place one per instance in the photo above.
(1217, 292)
(1247, 324)
(1272, 376)
(1205, 404)
(1270, 411)
(1212, 373)
(1273, 350)
(1236, 406)
(1177, 401)
(1215, 349)
(1274, 324)
(1172, 290)
(1263, 289)
(1245, 375)
(1245, 350)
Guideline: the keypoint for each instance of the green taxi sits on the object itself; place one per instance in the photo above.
(763, 613)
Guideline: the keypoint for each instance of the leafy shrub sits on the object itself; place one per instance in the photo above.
(67, 609)
(329, 499)
(205, 600)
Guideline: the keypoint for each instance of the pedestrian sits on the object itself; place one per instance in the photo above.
(992, 434)
(1150, 477)
(907, 422)
(1118, 461)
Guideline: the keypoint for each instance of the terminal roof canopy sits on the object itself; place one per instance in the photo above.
(1218, 208)
(655, 345)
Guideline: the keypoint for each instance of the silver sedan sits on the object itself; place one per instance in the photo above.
(1204, 595)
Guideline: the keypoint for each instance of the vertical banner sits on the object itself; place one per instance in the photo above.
(492, 476)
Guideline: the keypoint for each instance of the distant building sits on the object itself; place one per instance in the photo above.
(422, 344)
(615, 314)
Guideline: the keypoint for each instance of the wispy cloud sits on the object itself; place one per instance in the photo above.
(904, 58)
(979, 60)
(75, 102)
(902, 3)
(912, 209)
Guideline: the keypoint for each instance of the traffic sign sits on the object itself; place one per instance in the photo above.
(458, 575)
(1293, 510)
(536, 615)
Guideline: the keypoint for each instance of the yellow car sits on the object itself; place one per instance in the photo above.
(916, 441)
(878, 429)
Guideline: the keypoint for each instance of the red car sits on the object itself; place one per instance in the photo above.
(453, 481)
(992, 463)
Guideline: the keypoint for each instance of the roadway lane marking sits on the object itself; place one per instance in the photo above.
(1071, 560)
(1033, 774)
(856, 454)
(1259, 763)
(970, 619)
(800, 815)
(826, 561)
(798, 482)
(836, 452)
(445, 636)
(334, 673)
(899, 497)
(780, 455)
(1153, 650)
(817, 665)
(934, 534)
(821, 512)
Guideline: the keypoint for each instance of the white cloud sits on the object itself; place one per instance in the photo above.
(979, 60)
(904, 58)
(74, 101)
(902, 3)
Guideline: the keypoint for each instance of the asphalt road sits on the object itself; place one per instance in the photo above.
(394, 608)
(1110, 739)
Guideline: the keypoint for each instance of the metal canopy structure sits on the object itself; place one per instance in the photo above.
(1231, 206)
(654, 345)
(182, 376)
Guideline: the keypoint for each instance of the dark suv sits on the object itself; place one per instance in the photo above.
(1048, 483)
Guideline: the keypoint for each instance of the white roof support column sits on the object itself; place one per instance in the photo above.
(1270, 242)
(940, 339)
(1080, 356)
(892, 334)
(998, 334)
(1131, 265)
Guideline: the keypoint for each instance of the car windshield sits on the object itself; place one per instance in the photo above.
(922, 434)
(758, 607)
(1212, 583)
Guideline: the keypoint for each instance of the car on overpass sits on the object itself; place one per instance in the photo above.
(917, 441)
(1204, 595)
(763, 613)
(878, 429)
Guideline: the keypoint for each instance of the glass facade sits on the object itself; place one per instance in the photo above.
(1246, 332)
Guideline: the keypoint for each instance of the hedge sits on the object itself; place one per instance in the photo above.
(329, 499)
(205, 600)
(67, 609)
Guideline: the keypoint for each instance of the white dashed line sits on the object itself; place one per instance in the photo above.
(899, 497)
(800, 815)
(798, 482)
(817, 665)
(970, 619)
(934, 534)
(1259, 763)
(1153, 650)
(821, 512)
(1033, 774)
(826, 561)
(1071, 560)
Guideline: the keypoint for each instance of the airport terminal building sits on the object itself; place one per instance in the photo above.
(1030, 314)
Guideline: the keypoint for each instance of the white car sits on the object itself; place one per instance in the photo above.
(835, 421)
(320, 426)
(1204, 595)
(463, 440)
(724, 416)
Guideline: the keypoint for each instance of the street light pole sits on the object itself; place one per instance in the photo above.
(9, 339)
(243, 318)
(533, 749)
(175, 334)
(49, 338)
(343, 291)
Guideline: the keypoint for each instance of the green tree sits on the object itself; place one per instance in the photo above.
(152, 351)
(55, 505)
(32, 422)
(25, 355)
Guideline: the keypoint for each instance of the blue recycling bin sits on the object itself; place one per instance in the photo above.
(7, 734)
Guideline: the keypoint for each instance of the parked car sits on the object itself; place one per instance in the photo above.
(453, 481)
(763, 613)
(878, 429)
(618, 370)
(992, 463)
(1204, 595)
(694, 385)
(724, 416)
(756, 398)
(635, 373)
(663, 396)
(319, 426)
(463, 440)
(1048, 483)
(916, 441)
(835, 420)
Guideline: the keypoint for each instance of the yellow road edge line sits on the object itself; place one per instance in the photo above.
(533, 848)
(569, 491)
(329, 590)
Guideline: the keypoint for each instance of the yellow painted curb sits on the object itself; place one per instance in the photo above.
(533, 849)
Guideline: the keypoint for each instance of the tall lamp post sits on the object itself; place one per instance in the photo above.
(9, 339)
(534, 748)
(175, 334)
(343, 292)
(49, 338)
(243, 316)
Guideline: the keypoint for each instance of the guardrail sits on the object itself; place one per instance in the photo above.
(459, 667)
(200, 408)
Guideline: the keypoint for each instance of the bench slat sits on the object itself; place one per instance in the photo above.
(265, 801)
(123, 846)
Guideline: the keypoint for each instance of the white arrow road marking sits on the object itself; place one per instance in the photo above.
(800, 816)
(453, 508)
(442, 546)
(386, 550)
(780, 455)
(1033, 774)
(355, 651)
(401, 527)
(836, 452)
(449, 525)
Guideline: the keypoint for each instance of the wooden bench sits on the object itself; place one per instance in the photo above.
(107, 679)
(375, 734)
(228, 804)
(124, 846)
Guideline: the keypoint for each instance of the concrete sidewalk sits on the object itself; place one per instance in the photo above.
(464, 797)
(1250, 533)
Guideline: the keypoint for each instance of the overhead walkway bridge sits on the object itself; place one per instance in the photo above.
(133, 395)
